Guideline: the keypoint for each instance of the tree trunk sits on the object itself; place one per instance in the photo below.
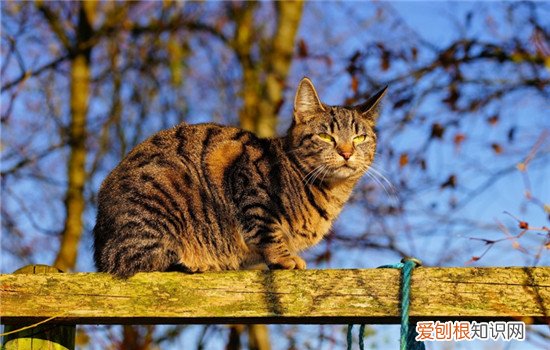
(263, 82)
(243, 42)
(76, 167)
(277, 66)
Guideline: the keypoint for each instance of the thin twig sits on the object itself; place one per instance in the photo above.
(30, 326)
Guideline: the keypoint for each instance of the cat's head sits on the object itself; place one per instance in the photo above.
(332, 143)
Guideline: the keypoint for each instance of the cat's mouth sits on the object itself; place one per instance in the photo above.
(344, 171)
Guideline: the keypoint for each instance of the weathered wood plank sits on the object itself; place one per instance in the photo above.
(40, 337)
(307, 297)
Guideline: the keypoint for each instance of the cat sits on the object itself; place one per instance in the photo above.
(208, 197)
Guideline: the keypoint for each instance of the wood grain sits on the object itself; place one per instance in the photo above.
(306, 297)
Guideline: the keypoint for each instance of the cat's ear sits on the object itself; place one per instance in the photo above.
(306, 101)
(371, 106)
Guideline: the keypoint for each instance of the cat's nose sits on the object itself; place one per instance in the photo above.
(345, 155)
(345, 150)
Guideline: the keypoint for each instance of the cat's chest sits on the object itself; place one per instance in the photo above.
(303, 235)
(308, 229)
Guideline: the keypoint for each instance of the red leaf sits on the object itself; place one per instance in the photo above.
(459, 138)
(493, 120)
(354, 84)
(403, 160)
(386, 60)
(523, 225)
(302, 49)
(497, 148)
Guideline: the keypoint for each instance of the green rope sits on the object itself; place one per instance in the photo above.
(362, 336)
(350, 336)
(408, 334)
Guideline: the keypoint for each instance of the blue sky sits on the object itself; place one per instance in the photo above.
(432, 21)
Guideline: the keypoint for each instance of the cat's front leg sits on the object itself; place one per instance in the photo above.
(275, 259)
(274, 249)
(271, 245)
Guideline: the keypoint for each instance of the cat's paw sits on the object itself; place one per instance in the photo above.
(293, 262)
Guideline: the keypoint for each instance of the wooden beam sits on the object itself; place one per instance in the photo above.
(306, 297)
(39, 337)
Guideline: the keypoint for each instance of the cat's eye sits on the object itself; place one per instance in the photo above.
(326, 137)
(359, 139)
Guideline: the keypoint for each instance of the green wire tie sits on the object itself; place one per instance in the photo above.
(408, 334)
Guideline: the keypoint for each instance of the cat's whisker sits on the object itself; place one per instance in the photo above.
(325, 174)
(383, 182)
(378, 182)
(318, 171)
(310, 174)
(306, 175)
(324, 170)
(379, 173)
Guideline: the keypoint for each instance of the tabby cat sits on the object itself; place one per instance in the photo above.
(208, 197)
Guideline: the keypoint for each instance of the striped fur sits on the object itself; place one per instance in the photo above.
(208, 197)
